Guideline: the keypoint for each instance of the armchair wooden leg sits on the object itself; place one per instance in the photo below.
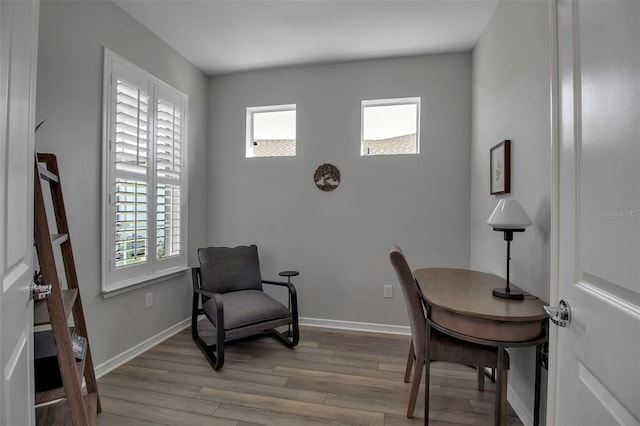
(481, 378)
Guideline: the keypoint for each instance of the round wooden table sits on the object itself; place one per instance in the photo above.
(460, 303)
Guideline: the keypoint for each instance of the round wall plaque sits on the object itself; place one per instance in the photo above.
(327, 177)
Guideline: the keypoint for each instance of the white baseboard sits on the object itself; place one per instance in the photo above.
(356, 326)
(141, 347)
(519, 407)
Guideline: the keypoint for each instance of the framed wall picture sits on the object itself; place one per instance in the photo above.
(500, 168)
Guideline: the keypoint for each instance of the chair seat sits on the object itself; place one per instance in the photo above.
(246, 307)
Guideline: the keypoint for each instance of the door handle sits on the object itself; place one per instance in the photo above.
(560, 314)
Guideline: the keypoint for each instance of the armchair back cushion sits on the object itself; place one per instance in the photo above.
(225, 269)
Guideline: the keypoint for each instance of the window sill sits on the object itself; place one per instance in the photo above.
(145, 282)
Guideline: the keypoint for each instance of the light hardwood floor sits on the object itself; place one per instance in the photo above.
(331, 378)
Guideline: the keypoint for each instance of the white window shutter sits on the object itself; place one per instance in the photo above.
(144, 176)
(169, 173)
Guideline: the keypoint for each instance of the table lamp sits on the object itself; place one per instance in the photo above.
(508, 217)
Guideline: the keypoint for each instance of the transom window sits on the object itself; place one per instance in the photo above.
(390, 126)
(144, 177)
(271, 131)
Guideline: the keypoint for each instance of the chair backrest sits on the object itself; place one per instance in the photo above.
(225, 269)
(411, 293)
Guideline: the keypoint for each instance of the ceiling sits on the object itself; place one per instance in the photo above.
(226, 36)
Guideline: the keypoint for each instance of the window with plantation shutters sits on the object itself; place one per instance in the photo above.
(144, 176)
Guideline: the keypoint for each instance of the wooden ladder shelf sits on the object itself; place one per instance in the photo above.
(71, 406)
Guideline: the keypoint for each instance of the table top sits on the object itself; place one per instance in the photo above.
(467, 292)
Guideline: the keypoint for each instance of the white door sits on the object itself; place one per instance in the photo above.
(18, 49)
(595, 360)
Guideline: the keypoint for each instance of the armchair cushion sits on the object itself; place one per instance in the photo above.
(225, 269)
(246, 307)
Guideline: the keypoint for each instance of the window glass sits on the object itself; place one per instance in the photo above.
(271, 131)
(390, 126)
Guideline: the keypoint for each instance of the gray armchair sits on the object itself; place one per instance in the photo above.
(228, 287)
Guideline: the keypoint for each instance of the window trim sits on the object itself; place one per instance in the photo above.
(154, 270)
(250, 123)
(414, 100)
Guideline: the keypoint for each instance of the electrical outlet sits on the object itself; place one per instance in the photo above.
(388, 290)
(148, 300)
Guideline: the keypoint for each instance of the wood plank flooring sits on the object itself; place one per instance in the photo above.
(332, 377)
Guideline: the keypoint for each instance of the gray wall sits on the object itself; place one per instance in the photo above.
(511, 92)
(69, 95)
(339, 240)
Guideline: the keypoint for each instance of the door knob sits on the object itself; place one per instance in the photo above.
(560, 315)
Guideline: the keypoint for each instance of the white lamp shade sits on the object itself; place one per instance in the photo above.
(509, 214)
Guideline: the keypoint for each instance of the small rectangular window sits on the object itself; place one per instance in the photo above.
(390, 126)
(271, 131)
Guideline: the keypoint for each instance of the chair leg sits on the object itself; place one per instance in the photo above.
(415, 387)
(410, 360)
(427, 373)
(427, 377)
(215, 359)
(195, 311)
(284, 338)
(481, 378)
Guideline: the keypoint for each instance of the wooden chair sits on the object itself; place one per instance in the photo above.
(228, 284)
(441, 346)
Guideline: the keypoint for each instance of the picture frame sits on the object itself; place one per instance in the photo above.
(500, 168)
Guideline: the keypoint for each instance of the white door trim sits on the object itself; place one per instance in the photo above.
(554, 285)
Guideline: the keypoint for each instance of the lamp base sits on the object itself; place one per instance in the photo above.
(507, 294)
